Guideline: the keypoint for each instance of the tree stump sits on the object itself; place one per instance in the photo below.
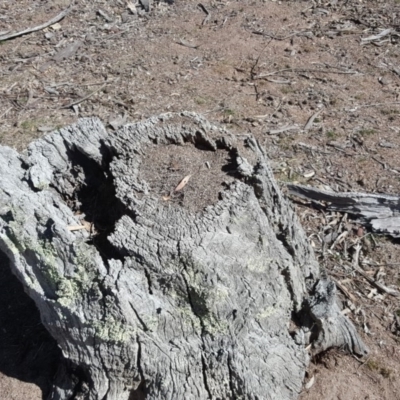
(209, 291)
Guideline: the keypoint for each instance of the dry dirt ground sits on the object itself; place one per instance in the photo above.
(258, 67)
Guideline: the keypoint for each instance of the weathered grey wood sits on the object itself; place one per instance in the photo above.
(174, 304)
(379, 211)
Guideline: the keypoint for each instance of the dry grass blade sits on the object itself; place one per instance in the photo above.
(182, 183)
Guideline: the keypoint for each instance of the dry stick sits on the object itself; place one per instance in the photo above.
(74, 103)
(371, 281)
(258, 59)
(261, 76)
(187, 44)
(343, 289)
(5, 113)
(279, 38)
(208, 14)
(311, 120)
(59, 17)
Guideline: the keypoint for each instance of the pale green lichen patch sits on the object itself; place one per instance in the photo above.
(188, 318)
(113, 330)
(203, 297)
(68, 289)
(83, 279)
(66, 292)
(42, 249)
(267, 312)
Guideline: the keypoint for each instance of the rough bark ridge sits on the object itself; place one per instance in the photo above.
(164, 303)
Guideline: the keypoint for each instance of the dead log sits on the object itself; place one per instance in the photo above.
(380, 212)
(208, 292)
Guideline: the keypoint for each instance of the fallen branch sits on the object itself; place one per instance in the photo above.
(379, 211)
(57, 18)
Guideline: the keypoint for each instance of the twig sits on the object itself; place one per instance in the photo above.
(311, 120)
(378, 285)
(283, 129)
(312, 149)
(299, 70)
(280, 81)
(57, 18)
(356, 257)
(377, 37)
(344, 290)
(5, 112)
(280, 38)
(371, 281)
(74, 103)
(257, 60)
(187, 44)
(379, 162)
(208, 14)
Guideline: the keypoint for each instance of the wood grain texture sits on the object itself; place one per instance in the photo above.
(164, 303)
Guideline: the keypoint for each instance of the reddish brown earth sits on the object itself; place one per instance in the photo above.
(254, 66)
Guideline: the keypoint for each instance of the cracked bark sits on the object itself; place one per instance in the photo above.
(164, 303)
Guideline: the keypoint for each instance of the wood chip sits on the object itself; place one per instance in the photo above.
(310, 383)
(104, 15)
(132, 7)
(68, 51)
(182, 183)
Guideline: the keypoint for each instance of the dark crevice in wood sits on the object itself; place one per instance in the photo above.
(204, 371)
(231, 378)
(148, 277)
(140, 392)
(82, 379)
(286, 276)
(96, 198)
(142, 323)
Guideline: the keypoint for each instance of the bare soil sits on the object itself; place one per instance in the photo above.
(254, 66)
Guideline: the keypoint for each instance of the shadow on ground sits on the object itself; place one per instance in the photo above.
(27, 351)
